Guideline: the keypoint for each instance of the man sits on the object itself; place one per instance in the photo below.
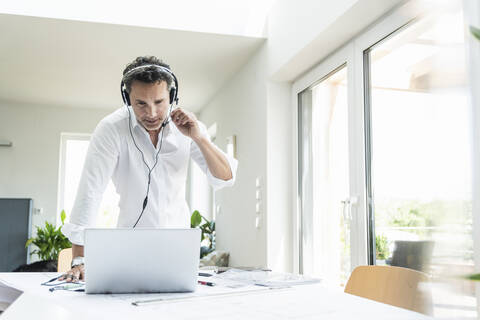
(145, 149)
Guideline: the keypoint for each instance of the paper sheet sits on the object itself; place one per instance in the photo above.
(237, 277)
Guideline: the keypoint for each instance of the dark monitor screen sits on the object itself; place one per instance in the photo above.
(15, 217)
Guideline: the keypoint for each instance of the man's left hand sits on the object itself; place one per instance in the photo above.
(187, 123)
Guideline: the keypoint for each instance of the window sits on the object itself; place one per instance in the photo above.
(73, 150)
(384, 158)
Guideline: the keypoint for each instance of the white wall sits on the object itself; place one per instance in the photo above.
(294, 24)
(239, 108)
(29, 169)
(258, 112)
(279, 178)
(302, 33)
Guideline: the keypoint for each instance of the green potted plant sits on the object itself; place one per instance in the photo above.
(381, 244)
(208, 232)
(49, 241)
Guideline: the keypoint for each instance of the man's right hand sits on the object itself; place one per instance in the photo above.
(78, 272)
(75, 274)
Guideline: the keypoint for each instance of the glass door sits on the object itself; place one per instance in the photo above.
(324, 181)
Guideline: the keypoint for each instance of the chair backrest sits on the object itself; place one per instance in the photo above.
(64, 260)
(396, 286)
(412, 254)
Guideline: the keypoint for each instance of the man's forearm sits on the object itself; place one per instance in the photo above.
(77, 251)
(216, 161)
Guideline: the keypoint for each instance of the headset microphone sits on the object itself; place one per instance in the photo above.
(173, 95)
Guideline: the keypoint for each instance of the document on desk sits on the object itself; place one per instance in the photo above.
(230, 283)
(217, 289)
(263, 278)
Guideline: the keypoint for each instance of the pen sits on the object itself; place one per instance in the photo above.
(49, 282)
(68, 287)
(205, 283)
(202, 274)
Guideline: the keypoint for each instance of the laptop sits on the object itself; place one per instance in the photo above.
(141, 260)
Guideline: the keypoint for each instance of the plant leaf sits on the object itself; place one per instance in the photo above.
(63, 216)
(474, 277)
(29, 242)
(475, 32)
(195, 219)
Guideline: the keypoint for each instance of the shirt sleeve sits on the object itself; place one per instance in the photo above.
(198, 157)
(100, 162)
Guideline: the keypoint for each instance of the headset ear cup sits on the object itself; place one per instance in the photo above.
(172, 95)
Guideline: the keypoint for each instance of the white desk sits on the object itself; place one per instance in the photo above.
(301, 302)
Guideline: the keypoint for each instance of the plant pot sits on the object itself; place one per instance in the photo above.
(39, 266)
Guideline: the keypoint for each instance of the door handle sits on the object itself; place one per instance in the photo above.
(347, 207)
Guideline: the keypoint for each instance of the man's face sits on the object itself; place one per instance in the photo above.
(150, 102)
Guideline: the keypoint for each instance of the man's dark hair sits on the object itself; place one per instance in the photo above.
(147, 74)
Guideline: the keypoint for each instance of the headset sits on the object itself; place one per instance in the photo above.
(173, 90)
(173, 94)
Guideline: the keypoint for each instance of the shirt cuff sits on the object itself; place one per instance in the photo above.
(217, 183)
(74, 233)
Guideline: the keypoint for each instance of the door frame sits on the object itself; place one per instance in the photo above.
(341, 57)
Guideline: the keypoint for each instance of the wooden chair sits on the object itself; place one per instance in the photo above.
(396, 286)
(64, 260)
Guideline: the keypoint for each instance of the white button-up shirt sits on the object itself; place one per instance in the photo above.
(113, 155)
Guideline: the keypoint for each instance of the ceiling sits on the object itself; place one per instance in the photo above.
(45, 61)
(235, 17)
